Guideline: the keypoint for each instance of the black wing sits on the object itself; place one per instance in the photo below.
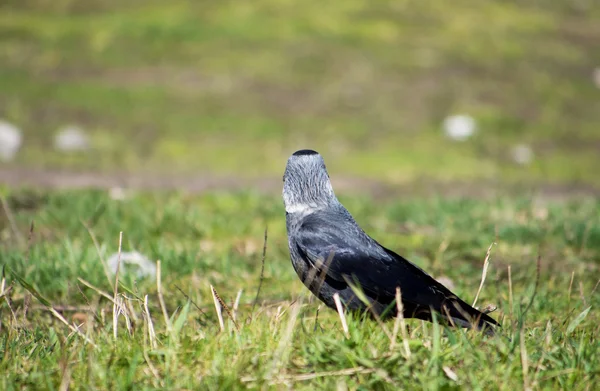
(344, 253)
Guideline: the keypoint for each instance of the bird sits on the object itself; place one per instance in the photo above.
(332, 254)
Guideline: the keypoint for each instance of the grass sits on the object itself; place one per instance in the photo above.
(194, 86)
(231, 89)
(549, 315)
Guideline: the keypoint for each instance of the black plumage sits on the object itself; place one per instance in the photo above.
(332, 254)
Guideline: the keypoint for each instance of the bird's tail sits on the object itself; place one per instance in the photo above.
(460, 314)
(483, 326)
(454, 312)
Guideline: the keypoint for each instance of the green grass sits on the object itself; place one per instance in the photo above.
(216, 239)
(232, 88)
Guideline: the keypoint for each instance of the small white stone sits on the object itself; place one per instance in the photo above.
(133, 259)
(459, 127)
(522, 154)
(117, 193)
(71, 138)
(596, 76)
(10, 141)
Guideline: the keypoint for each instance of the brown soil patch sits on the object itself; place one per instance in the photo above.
(19, 177)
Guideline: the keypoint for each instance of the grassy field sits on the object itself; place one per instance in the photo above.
(233, 88)
(179, 94)
(549, 338)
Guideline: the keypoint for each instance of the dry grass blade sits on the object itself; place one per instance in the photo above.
(124, 310)
(450, 373)
(3, 284)
(356, 289)
(50, 308)
(130, 310)
(285, 341)
(74, 329)
(98, 290)
(236, 304)
(582, 294)
(474, 321)
(153, 370)
(317, 317)
(71, 327)
(324, 270)
(217, 308)
(570, 289)
(562, 372)
(29, 242)
(448, 316)
(97, 246)
(65, 378)
(193, 302)
(116, 309)
(400, 323)
(65, 308)
(322, 273)
(150, 325)
(11, 221)
(524, 361)
(27, 300)
(340, 310)
(4, 292)
(595, 287)
(486, 264)
(310, 376)
(161, 301)
(222, 304)
(547, 342)
(535, 288)
(510, 291)
(262, 273)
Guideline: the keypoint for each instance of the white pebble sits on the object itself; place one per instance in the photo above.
(10, 141)
(522, 154)
(71, 138)
(596, 77)
(134, 259)
(459, 127)
(117, 193)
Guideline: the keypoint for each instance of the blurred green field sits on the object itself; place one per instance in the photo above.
(222, 93)
(217, 239)
(232, 88)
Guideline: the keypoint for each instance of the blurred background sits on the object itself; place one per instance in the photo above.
(404, 93)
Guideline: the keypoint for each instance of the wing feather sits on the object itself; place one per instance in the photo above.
(343, 254)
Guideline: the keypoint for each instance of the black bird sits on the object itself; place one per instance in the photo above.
(332, 254)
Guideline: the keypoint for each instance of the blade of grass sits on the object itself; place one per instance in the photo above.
(340, 310)
(224, 306)
(400, 323)
(116, 309)
(50, 308)
(486, 264)
(218, 308)
(262, 273)
(161, 301)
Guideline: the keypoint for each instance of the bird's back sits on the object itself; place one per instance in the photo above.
(357, 256)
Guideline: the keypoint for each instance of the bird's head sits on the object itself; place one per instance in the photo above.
(306, 184)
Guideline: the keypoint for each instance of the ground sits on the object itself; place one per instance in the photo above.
(282, 336)
(233, 89)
